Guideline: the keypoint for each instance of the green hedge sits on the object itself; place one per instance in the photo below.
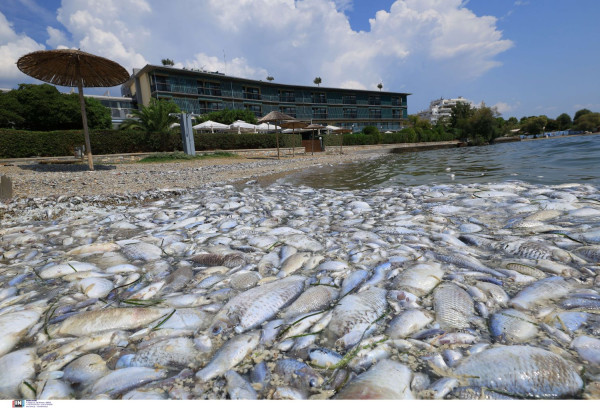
(23, 143)
(408, 135)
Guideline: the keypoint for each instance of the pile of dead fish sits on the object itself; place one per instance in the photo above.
(480, 291)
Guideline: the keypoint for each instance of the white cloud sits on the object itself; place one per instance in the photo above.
(505, 108)
(294, 41)
(12, 47)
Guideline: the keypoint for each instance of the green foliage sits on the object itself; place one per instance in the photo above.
(43, 107)
(587, 122)
(407, 135)
(564, 121)
(475, 125)
(167, 62)
(178, 156)
(228, 116)
(154, 117)
(461, 113)
(552, 125)
(317, 81)
(270, 78)
(534, 125)
(22, 143)
(580, 113)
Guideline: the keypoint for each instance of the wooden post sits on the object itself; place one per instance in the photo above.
(6, 190)
(86, 134)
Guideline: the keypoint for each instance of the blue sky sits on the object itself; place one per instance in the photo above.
(524, 57)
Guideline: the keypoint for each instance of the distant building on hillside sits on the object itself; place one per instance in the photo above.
(200, 92)
(441, 108)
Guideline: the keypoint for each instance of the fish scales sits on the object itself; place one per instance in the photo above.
(313, 299)
(355, 315)
(386, 380)
(523, 371)
(453, 306)
(95, 321)
(255, 306)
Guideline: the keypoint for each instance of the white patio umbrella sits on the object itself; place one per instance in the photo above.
(240, 124)
(331, 129)
(209, 124)
(267, 127)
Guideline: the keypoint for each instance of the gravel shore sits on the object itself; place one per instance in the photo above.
(56, 180)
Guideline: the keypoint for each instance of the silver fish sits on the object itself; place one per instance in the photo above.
(385, 380)
(523, 371)
(229, 355)
(255, 306)
(453, 306)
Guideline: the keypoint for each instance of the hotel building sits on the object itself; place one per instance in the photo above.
(201, 92)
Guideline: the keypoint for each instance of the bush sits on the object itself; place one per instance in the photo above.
(23, 143)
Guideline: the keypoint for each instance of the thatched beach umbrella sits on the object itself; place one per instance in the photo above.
(293, 124)
(276, 117)
(74, 68)
(313, 127)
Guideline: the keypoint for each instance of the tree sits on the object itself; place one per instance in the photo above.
(461, 112)
(228, 116)
(167, 62)
(534, 125)
(564, 121)
(579, 113)
(154, 117)
(44, 108)
(317, 81)
(587, 122)
(380, 85)
(552, 125)
(270, 78)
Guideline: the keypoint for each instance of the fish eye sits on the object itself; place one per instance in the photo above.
(312, 383)
(217, 329)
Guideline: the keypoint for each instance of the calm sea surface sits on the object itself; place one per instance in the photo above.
(548, 161)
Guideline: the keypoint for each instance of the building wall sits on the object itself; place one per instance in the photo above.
(201, 92)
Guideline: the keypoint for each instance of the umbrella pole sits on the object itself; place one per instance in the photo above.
(293, 141)
(88, 146)
(277, 139)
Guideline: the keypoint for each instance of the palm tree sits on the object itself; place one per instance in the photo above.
(317, 81)
(270, 78)
(154, 117)
(167, 62)
(380, 85)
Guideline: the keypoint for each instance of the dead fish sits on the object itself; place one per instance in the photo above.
(523, 371)
(13, 326)
(141, 251)
(313, 299)
(178, 352)
(355, 316)
(95, 321)
(257, 305)
(57, 271)
(297, 374)
(229, 260)
(538, 292)
(420, 279)
(453, 306)
(16, 367)
(238, 388)
(229, 355)
(385, 380)
(120, 381)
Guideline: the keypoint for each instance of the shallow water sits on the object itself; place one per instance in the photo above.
(548, 161)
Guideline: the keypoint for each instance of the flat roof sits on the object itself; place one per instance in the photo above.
(218, 75)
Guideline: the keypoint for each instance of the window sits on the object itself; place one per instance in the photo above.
(212, 88)
(251, 93)
(256, 109)
(288, 110)
(200, 87)
(162, 83)
(350, 113)
(319, 97)
(396, 113)
(214, 106)
(374, 113)
(396, 100)
(287, 96)
(374, 100)
(319, 113)
(349, 99)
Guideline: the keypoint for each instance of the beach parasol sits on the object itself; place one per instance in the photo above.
(68, 67)
(313, 127)
(277, 118)
(293, 124)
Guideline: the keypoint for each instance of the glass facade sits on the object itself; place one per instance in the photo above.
(201, 92)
